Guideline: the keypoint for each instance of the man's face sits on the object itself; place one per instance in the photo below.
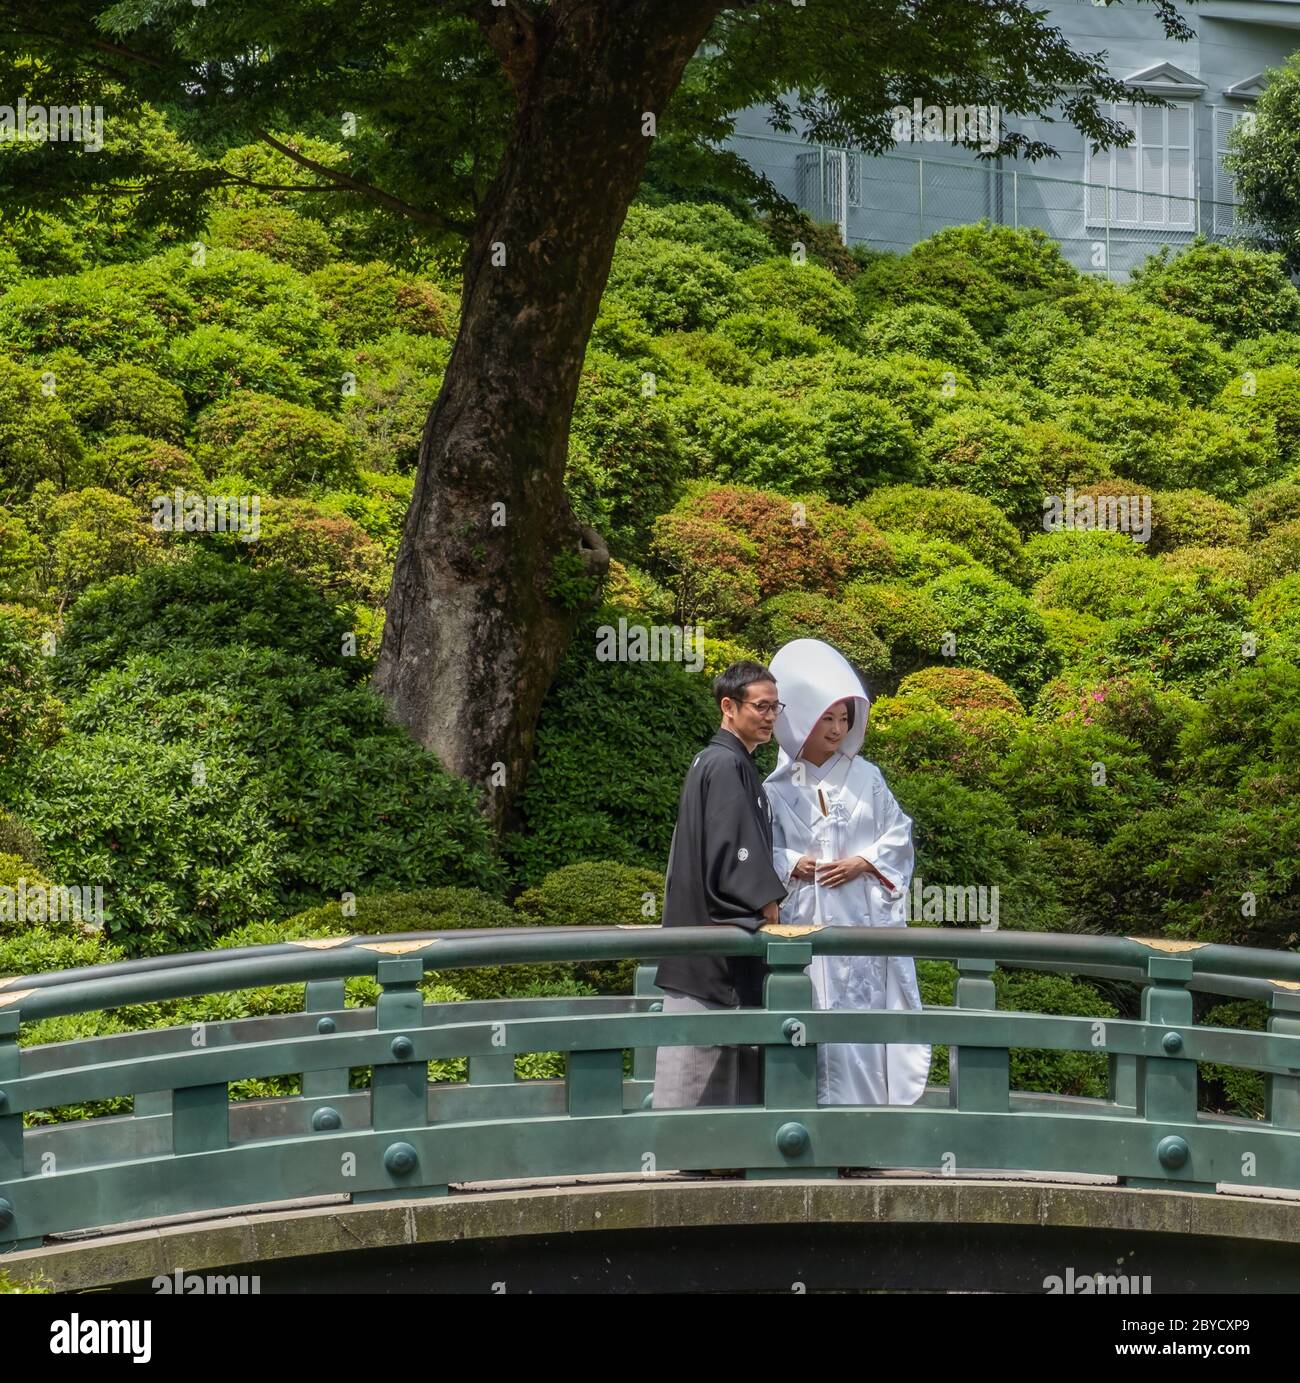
(754, 713)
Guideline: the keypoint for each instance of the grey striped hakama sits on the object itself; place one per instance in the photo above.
(686, 1077)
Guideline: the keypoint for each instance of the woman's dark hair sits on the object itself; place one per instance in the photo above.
(732, 681)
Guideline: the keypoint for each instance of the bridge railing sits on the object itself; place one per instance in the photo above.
(187, 1147)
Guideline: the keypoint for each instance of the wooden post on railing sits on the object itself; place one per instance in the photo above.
(11, 1125)
(324, 996)
(1282, 1093)
(399, 1090)
(790, 1067)
(643, 986)
(984, 1083)
(1167, 1089)
(11, 1135)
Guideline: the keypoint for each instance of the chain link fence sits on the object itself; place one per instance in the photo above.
(891, 201)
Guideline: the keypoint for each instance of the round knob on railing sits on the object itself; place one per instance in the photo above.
(1172, 1042)
(791, 1028)
(792, 1139)
(6, 1213)
(1173, 1151)
(326, 1117)
(325, 1025)
(402, 1048)
(656, 1007)
(401, 1158)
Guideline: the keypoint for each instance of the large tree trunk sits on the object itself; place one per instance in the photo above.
(473, 639)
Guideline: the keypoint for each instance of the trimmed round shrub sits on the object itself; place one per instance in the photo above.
(93, 535)
(107, 315)
(397, 380)
(904, 620)
(970, 449)
(701, 357)
(1104, 587)
(772, 334)
(1083, 780)
(1235, 292)
(329, 552)
(113, 399)
(914, 734)
(1231, 564)
(807, 545)
(1267, 401)
(38, 437)
(206, 788)
(968, 520)
(1191, 518)
(709, 569)
(190, 604)
(1271, 505)
(1276, 555)
(868, 443)
(1072, 635)
(626, 464)
(840, 623)
(276, 232)
(939, 333)
(1133, 433)
(961, 689)
(753, 437)
(1044, 551)
(142, 467)
(364, 302)
(917, 560)
(995, 627)
(277, 445)
(596, 893)
(30, 715)
(674, 287)
(214, 361)
(737, 242)
(1102, 366)
(623, 716)
(814, 295)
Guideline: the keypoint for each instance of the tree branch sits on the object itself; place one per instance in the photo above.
(365, 189)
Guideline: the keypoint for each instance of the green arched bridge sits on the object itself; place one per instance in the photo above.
(477, 1183)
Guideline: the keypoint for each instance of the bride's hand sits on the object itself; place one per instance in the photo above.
(805, 869)
(838, 872)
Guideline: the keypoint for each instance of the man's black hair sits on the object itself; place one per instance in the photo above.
(732, 681)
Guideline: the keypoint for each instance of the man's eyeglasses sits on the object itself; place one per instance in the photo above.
(765, 708)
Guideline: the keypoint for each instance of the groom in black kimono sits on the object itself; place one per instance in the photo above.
(720, 871)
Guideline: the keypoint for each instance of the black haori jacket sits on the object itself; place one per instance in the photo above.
(720, 870)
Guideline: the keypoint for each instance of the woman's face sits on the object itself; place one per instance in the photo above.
(828, 734)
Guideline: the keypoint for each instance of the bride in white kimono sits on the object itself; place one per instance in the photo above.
(843, 846)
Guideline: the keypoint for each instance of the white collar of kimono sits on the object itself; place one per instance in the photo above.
(811, 677)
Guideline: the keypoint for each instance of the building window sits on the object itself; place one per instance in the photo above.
(1225, 191)
(1150, 180)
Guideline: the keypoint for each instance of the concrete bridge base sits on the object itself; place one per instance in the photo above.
(668, 1233)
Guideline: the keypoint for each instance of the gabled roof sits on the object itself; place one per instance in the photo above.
(1164, 79)
(1248, 88)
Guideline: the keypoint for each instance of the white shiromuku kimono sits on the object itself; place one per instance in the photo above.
(861, 817)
